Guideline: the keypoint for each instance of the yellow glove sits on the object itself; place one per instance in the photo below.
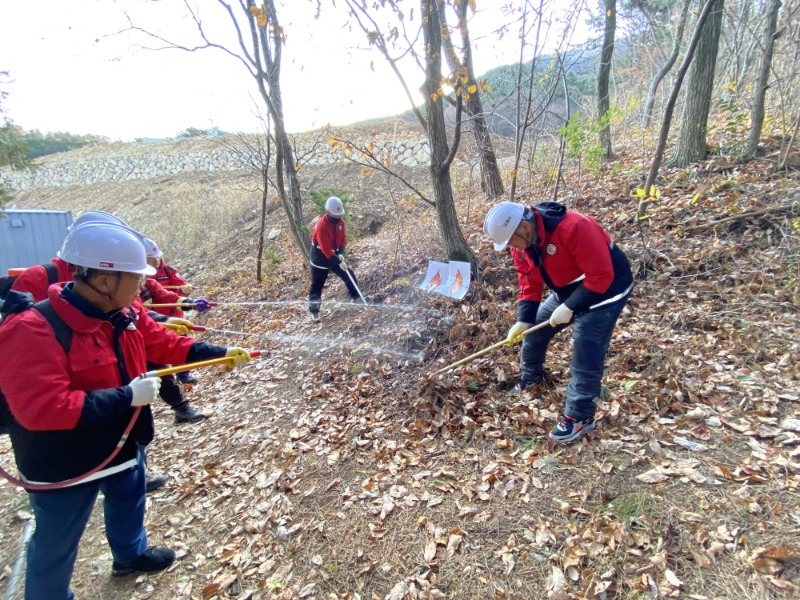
(515, 333)
(186, 289)
(176, 327)
(178, 321)
(238, 356)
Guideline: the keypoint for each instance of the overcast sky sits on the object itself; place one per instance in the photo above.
(72, 71)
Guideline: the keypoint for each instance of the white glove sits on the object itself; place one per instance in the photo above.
(186, 289)
(339, 258)
(561, 316)
(145, 390)
(238, 356)
(516, 330)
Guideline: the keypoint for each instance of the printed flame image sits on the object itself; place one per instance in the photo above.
(457, 281)
(436, 280)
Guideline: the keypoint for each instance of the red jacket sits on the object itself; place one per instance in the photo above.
(328, 238)
(166, 275)
(576, 259)
(72, 409)
(34, 279)
(155, 293)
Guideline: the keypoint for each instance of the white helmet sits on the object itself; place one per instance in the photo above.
(96, 216)
(334, 206)
(106, 246)
(502, 221)
(151, 248)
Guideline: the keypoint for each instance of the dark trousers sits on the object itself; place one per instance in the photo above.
(591, 337)
(320, 276)
(171, 391)
(61, 517)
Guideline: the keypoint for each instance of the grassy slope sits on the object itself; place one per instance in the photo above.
(324, 474)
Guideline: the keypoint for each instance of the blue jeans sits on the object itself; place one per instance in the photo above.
(61, 517)
(591, 336)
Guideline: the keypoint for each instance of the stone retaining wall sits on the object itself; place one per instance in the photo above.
(123, 162)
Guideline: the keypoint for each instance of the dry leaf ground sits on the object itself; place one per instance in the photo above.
(324, 474)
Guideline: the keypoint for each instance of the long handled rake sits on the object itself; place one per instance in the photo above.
(430, 376)
(353, 281)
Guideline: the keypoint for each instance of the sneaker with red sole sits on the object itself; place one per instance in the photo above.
(569, 429)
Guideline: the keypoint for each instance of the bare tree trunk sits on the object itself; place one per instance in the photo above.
(491, 181)
(291, 199)
(562, 145)
(603, 99)
(524, 104)
(697, 104)
(760, 93)
(668, 110)
(455, 245)
(673, 57)
(264, 198)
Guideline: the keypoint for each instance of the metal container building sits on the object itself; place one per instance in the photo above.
(31, 237)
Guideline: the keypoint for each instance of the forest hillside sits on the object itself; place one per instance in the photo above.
(331, 468)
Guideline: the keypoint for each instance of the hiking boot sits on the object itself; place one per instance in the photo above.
(186, 378)
(153, 559)
(188, 415)
(315, 317)
(153, 482)
(569, 429)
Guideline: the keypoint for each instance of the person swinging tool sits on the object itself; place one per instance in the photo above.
(591, 280)
(71, 400)
(328, 242)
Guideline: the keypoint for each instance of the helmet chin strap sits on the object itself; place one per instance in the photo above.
(105, 295)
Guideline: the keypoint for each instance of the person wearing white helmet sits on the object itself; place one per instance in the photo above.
(154, 292)
(169, 276)
(590, 279)
(328, 243)
(96, 216)
(72, 401)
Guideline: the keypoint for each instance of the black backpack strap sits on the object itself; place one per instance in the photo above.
(61, 329)
(52, 273)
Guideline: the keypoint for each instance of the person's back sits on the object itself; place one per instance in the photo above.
(35, 280)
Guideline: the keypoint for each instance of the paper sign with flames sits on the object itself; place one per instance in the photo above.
(449, 279)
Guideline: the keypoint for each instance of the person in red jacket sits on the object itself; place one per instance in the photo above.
(154, 292)
(590, 279)
(169, 276)
(72, 407)
(328, 242)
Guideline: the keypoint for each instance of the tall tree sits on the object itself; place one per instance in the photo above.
(491, 181)
(666, 122)
(697, 103)
(442, 151)
(261, 39)
(604, 74)
(760, 92)
(455, 245)
(667, 66)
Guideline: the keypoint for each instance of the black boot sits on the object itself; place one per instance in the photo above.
(153, 559)
(188, 415)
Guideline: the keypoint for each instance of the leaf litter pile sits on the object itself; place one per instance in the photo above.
(324, 473)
